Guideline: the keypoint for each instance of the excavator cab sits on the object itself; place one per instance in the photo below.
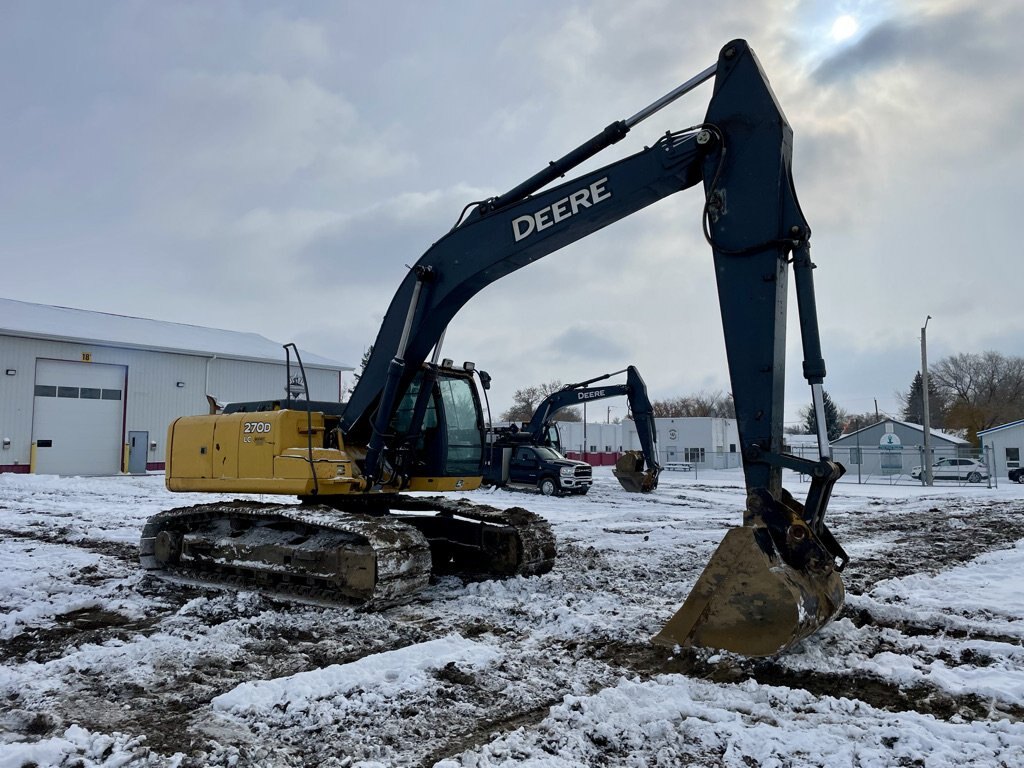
(446, 438)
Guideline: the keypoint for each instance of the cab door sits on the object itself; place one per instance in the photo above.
(525, 467)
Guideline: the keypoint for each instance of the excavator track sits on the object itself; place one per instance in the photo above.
(509, 542)
(321, 553)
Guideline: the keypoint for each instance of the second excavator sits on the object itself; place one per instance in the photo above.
(636, 471)
(414, 421)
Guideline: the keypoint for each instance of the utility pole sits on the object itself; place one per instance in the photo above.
(926, 471)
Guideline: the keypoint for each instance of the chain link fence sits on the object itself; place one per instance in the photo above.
(868, 465)
(903, 466)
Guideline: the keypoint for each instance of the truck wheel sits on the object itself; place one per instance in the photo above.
(974, 477)
(1020, 477)
(547, 486)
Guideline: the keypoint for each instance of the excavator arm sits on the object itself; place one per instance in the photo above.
(753, 222)
(568, 396)
(491, 243)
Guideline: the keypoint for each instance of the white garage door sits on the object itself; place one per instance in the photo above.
(78, 417)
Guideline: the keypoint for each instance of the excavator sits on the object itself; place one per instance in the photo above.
(636, 471)
(414, 421)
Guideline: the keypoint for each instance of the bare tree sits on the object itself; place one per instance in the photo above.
(525, 402)
(857, 421)
(981, 390)
(718, 404)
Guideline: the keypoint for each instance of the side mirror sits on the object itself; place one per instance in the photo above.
(485, 379)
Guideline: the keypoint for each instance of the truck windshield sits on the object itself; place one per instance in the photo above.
(548, 453)
(462, 419)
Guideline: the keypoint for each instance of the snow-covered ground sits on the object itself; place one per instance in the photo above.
(103, 665)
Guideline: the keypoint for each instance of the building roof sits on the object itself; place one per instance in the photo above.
(1008, 425)
(909, 425)
(43, 321)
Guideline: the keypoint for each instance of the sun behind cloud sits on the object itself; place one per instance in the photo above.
(843, 28)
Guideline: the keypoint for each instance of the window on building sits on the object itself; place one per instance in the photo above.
(45, 390)
(695, 455)
(111, 394)
(90, 393)
(855, 456)
(67, 391)
(1012, 458)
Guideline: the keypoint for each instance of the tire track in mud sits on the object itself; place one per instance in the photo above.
(648, 662)
(115, 549)
(172, 711)
(90, 625)
(933, 540)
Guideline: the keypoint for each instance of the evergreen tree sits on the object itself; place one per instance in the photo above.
(913, 401)
(833, 418)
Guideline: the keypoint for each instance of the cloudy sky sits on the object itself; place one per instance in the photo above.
(273, 166)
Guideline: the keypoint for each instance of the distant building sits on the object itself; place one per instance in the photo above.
(708, 442)
(893, 447)
(1006, 444)
(91, 393)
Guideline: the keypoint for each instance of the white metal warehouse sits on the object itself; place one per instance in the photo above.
(91, 393)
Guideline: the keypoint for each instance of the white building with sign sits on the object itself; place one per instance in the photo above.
(90, 393)
(892, 447)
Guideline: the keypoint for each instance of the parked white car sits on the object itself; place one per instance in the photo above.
(955, 469)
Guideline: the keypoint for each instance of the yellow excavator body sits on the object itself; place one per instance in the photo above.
(270, 452)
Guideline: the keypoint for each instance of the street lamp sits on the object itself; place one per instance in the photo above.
(926, 471)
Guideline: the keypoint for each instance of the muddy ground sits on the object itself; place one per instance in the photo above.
(145, 677)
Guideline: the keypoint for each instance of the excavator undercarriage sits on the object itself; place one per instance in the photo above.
(373, 557)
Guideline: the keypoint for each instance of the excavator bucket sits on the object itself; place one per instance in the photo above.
(630, 472)
(759, 595)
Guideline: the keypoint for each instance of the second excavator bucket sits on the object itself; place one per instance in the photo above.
(630, 472)
(761, 593)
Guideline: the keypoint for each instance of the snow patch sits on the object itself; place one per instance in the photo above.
(387, 674)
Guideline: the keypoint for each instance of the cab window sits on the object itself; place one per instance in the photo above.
(462, 427)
